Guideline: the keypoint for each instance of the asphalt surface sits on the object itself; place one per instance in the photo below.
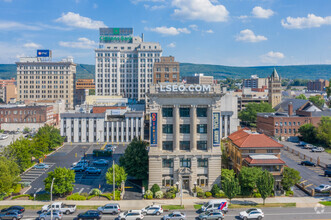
(270, 213)
(11, 138)
(312, 176)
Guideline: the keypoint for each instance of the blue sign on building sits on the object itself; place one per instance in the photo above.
(216, 129)
(43, 53)
(153, 128)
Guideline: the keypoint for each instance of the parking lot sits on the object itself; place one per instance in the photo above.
(65, 157)
(7, 141)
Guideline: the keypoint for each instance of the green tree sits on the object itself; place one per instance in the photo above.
(265, 184)
(328, 89)
(48, 138)
(215, 189)
(9, 174)
(308, 133)
(324, 131)
(248, 115)
(63, 182)
(290, 178)
(91, 92)
(26, 130)
(317, 100)
(226, 174)
(155, 188)
(301, 96)
(120, 175)
(135, 159)
(247, 179)
(231, 187)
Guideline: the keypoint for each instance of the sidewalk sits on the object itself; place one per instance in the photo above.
(188, 202)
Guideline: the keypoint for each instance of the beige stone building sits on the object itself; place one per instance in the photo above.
(40, 79)
(275, 87)
(187, 123)
(167, 70)
(198, 78)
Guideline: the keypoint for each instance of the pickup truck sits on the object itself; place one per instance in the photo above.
(60, 206)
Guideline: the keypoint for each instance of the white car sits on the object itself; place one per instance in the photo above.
(251, 214)
(318, 149)
(152, 210)
(131, 215)
(323, 188)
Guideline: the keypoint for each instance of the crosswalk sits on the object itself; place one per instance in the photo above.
(31, 175)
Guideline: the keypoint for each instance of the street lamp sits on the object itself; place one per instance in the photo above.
(195, 187)
(52, 197)
(181, 190)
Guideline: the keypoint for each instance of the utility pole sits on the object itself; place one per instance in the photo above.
(52, 197)
(113, 179)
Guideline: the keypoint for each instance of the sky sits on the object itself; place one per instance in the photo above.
(221, 32)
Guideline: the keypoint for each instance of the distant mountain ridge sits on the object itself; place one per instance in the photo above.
(85, 71)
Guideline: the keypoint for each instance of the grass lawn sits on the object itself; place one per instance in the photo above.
(197, 206)
(327, 203)
(237, 206)
(172, 207)
(32, 207)
(328, 150)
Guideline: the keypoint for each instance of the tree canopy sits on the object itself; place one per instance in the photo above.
(226, 174)
(247, 179)
(301, 96)
(9, 174)
(120, 175)
(249, 114)
(290, 178)
(308, 133)
(324, 131)
(317, 100)
(231, 187)
(63, 182)
(265, 184)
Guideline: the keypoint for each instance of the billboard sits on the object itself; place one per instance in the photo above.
(216, 129)
(43, 53)
(154, 129)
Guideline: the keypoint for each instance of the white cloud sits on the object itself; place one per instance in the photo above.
(172, 45)
(306, 22)
(203, 10)
(210, 31)
(138, 1)
(193, 27)
(272, 57)
(248, 35)
(154, 7)
(13, 25)
(169, 30)
(32, 45)
(260, 12)
(75, 20)
(243, 17)
(81, 43)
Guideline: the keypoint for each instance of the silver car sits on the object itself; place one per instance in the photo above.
(175, 215)
(113, 208)
(57, 215)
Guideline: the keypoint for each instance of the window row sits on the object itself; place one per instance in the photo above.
(184, 112)
(184, 128)
(183, 145)
(169, 163)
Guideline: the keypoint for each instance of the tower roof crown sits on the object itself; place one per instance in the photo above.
(274, 75)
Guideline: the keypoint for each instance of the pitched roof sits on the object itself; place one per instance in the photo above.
(245, 138)
(274, 74)
(263, 159)
(296, 103)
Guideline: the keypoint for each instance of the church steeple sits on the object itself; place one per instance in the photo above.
(275, 75)
(274, 88)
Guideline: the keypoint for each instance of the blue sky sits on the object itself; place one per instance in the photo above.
(222, 32)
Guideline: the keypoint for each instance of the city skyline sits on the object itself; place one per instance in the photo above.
(236, 33)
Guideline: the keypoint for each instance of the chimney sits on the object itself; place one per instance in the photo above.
(290, 109)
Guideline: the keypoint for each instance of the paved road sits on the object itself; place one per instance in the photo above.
(313, 175)
(270, 213)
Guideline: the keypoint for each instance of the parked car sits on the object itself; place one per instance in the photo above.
(131, 215)
(41, 166)
(92, 170)
(112, 208)
(308, 163)
(323, 188)
(318, 149)
(3, 136)
(17, 208)
(109, 147)
(82, 162)
(175, 215)
(214, 215)
(327, 171)
(90, 214)
(309, 146)
(13, 215)
(215, 204)
(78, 168)
(57, 215)
(251, 214)
(101, 162)
(302, 143)
(60, 206)
(152, 210)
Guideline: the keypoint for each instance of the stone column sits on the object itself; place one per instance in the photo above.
(193, 129)
(176, 128)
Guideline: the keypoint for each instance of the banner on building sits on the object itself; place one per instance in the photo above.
(216, 129)
(153, 129)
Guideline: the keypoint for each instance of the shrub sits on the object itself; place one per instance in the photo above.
(76, 196)
(109, 196)
(24, 195)
(84, 194)
(257, 195)
(155, 188)
(173, 189)
(208, 194)
(117, 195)
(148, 192)
(159, 195)
(200, 194)
(289, 193)
(220, 194)
(96, 192)
(215, 189)
(90, 197)
(149, 197)
(43, 197)
(170, 195)
(197, 189)
(17, 189)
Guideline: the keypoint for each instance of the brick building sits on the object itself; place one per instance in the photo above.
(83, 86)
(17, 117)
(8, 90)
(290, 115)
(167, 70)
(317, 85)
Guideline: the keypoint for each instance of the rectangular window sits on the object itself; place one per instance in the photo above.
(201, 112)
(202, 128)
(276, 123)
(167, 163)
(167, 129)
(184, 128)
(202, 145)
(294, 123)
(298, 123)
(289, 123)
(285, 123)
(185, 162)
(184, 112)
(167, 145)
(184, 145)
(276, 131)
(252, 151)
(167, 112)
(269, 151)
(202, 162)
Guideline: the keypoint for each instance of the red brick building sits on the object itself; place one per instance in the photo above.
(290, 115)
(317, 85)
(17, 117)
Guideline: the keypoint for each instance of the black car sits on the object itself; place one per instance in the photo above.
(17, 208)
(308, 163)
(90, 214)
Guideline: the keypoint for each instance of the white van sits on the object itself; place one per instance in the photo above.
(215, 204)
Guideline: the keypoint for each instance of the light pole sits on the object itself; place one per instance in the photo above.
(181, 190)
(52, 198)
(195, 188)
(113, 179)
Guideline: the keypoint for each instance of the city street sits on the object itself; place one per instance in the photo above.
(270, 213)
